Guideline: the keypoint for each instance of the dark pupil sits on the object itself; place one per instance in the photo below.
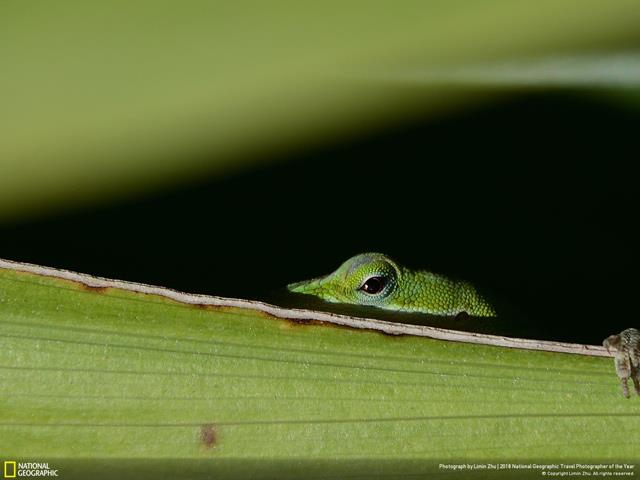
(373, 285)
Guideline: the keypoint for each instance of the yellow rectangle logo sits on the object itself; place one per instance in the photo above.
(9, 469)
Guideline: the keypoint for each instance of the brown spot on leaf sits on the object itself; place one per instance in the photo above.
(309, 322)
(208, 435)
(91, 288)
(202, 306)
(305, 321)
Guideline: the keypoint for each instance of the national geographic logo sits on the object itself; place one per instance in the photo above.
(9, 469)
(13, 469)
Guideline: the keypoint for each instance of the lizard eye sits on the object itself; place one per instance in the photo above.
(373, 285)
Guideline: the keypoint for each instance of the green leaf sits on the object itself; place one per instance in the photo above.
(108, 376)
(99, 100)
(617, 70)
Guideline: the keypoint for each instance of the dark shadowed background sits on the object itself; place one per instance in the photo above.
(530, 198)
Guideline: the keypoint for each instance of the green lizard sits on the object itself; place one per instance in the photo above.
(376, 280)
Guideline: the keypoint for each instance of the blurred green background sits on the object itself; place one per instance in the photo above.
(232, 147)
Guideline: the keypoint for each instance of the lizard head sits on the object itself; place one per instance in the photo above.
(366, 279)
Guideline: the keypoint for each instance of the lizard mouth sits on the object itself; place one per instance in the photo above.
(306, 286)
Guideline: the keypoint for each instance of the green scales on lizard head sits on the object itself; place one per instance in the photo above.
(376, 280)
